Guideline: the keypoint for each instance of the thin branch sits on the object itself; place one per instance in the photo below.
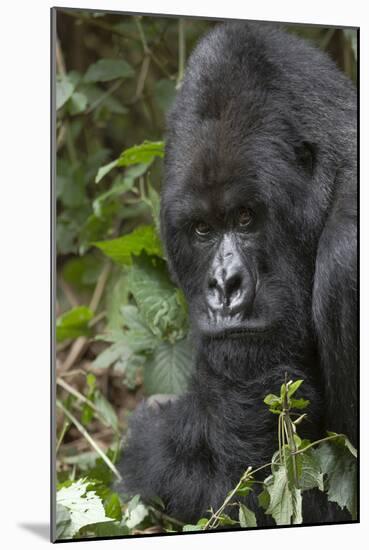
(80, 344)
(141, 32)
(66, 425)
(181, 52)
(100, 285)
(88, 438)
(103, 96)
(163, 516)
(60, 63)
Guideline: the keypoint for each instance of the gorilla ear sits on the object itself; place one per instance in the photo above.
(305, 153)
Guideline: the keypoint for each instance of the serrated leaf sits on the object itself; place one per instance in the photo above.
(343, 439)
(246, 517)
(309, 473)
(143, 238)
(135, 513)
(73, 323)
(84, 507)
(339, 465)
(117, 351)
(108, 69)
(285, 504)
(168, 369)
(157, 298)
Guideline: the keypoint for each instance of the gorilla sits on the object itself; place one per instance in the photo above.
(258, 218)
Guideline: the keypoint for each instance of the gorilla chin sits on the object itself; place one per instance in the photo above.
(258, 218)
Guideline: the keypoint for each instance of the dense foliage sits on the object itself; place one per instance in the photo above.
(122, 327)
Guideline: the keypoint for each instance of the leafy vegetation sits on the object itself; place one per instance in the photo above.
(122, 326)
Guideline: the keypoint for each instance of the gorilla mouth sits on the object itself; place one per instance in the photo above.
(239, 332)
(222, 330)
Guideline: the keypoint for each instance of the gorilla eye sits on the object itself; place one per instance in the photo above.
(202, 229)
(245, 217)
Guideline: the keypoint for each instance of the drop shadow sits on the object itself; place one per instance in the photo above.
(42, 530)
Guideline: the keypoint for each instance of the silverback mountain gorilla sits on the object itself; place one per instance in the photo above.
(258, 217)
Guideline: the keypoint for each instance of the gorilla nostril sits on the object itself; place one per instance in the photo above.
(232, 285)
(212, 283)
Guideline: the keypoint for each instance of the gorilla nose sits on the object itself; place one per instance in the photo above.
(229, 290)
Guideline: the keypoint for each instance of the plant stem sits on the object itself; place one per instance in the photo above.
(141, 32)
(88, 438)
(215, 516)
(62, 434)
(314, 443)
(181, 52)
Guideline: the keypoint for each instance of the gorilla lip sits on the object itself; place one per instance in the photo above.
(237, 332)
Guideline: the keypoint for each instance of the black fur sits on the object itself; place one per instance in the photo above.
(266, 121)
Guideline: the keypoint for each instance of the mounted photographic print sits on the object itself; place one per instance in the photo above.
(205, 364)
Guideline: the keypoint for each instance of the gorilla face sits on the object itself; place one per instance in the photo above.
(239, 233)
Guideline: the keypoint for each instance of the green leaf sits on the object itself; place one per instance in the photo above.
(105, 529)
(144, 153)
(142, 238)
(299, 403)
(168, 369)
(339, 466)
(157, 298)
(121, 186)
(272, 400)
(73, 323)
(264, 498)
(84, 508)
(77, 103)
(103, 170)
(285, 504)
(309, 473)
(343, 439)
(245, 488)
(64, 90)
(224, 519)
(292, 388)
(106, 410)
(246, 517)
(190, 527)
(82, 272)
(113, 507)
(108, 69)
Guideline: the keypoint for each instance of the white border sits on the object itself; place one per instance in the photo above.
(25, 205)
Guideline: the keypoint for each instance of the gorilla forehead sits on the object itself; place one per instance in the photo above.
(227, 163)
